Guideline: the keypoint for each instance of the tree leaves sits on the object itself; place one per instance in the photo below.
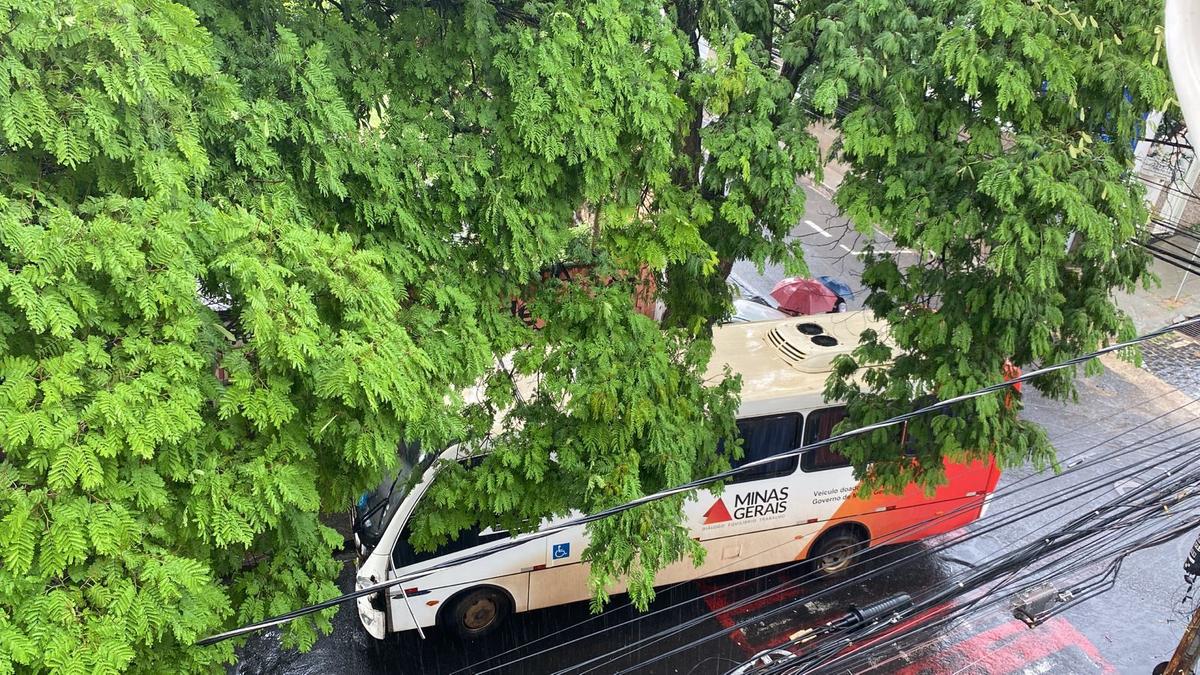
(1026, 121)
(18, 536)
(251, 248)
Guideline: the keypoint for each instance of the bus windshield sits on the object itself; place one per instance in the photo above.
(375, 509)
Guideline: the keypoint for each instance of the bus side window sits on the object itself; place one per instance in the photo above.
(763, 437)
(820, 426)
(404, 554)
(907, 438)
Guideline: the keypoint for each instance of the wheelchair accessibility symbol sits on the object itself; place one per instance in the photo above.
(560, 551)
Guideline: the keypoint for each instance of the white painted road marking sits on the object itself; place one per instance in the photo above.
(845, 248)
(900, 251)
(817, 228)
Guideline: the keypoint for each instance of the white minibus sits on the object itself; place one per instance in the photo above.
(793, 509)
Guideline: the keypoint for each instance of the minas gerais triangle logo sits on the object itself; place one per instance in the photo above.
(717, 513)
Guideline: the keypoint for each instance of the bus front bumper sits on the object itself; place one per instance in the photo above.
(372, 609)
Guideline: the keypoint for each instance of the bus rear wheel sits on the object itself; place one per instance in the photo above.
(477, 613)
(836, 550)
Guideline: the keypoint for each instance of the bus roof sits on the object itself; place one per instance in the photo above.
(781, 361)
(787, 357)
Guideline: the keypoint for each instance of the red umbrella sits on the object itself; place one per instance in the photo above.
(797, 295)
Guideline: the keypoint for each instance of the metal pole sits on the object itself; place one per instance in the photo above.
(1185, 275)
(1184, 660)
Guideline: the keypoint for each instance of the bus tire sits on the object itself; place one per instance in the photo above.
(834, 552)
(477, 612)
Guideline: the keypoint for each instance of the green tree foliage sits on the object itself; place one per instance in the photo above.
(993, 137)
(251, 246)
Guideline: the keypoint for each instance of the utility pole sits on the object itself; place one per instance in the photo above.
(1184, 660)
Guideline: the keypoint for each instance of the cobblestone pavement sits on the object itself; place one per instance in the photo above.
(1174, 358)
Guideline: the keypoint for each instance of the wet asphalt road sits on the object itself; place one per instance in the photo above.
(832, 247)
(563, 638)
(1128, 630)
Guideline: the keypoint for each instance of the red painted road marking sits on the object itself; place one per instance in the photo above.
(718, 599)
(1010, 647)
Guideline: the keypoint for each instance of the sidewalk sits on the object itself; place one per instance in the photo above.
(1174, 357)
(1177, 296)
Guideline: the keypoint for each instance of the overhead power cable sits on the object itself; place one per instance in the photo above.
(1031, 508)
(686, 487)
(1177, 229)
(1172, 260)
(1159, 240)
(1182, 192)
(1185, 259)
(861, 557)
(1104, 582)
(1027, 510)
(1173, 144)
(1037, 505)
(1081, 541)
(956, 540)
(1086, 538)
(1190, 269)
(866, 658)
(861, 659)
(854, 653)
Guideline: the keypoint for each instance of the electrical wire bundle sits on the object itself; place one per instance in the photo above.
(1157, 247)
(1144, 516)
(867, 563)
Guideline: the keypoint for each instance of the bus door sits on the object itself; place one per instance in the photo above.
(827, 478)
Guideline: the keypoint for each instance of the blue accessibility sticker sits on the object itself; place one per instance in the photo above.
(560, 551)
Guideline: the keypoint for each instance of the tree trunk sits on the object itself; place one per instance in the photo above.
(688, 20)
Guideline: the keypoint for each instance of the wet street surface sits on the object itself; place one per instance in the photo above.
(711, 625)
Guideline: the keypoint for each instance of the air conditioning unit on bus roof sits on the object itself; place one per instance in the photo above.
(807, 347)
(806, 344)
(811, 343)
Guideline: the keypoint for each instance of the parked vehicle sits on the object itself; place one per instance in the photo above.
(792, 509)
(746, 311)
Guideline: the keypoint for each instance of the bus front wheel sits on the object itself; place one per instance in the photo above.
(836, 550)
(477, 613)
